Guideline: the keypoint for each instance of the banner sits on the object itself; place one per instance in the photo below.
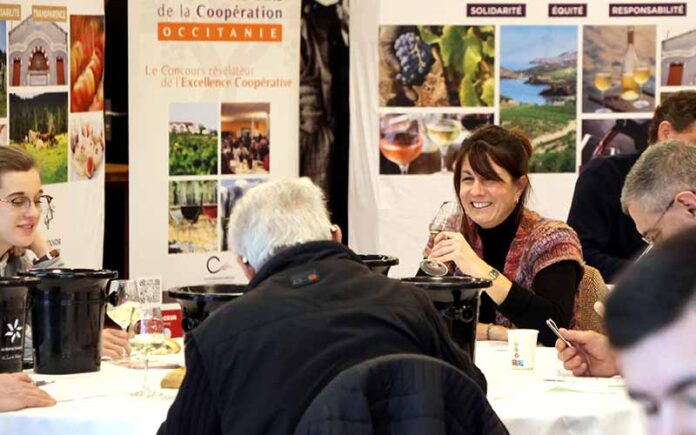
(51, 105)
(581, 79)
(214, 111)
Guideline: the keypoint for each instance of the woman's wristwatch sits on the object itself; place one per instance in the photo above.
(53, 253)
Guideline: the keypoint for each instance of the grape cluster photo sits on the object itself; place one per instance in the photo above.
(437, 66)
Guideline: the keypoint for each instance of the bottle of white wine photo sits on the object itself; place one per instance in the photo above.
(630, 90)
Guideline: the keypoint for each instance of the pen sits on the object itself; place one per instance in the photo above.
(42, 383)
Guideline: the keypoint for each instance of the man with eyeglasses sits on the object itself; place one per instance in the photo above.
(608, 237)
(653, 304)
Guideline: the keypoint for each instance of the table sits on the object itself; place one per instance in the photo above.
(550, 401)
(100, 403)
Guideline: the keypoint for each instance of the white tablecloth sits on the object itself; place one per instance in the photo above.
(100, 403)
(550, 401)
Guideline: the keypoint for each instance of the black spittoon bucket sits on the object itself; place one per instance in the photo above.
(379, 263)
(199, 301)
(13, 310)
(68, 307)
(457, 300)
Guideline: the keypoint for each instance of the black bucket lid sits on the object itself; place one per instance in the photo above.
(18, 281)
(208, 293)
(378, 260)
(71, 273)
(448, 283)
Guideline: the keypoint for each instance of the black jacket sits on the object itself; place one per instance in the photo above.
(313, 310)
(401, 394)
(608, 236)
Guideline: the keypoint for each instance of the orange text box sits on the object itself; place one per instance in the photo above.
(219, 32)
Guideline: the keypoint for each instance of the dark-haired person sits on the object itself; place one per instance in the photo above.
(609, 237)
(535, 263)
(22, 247)
(651, 319)
(659, 195)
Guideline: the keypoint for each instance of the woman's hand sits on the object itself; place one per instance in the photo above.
(115, 343)
(486, 331)
(451, 246)
(17, 391)
(39, 246)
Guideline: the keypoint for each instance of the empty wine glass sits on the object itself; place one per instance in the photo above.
(602, 81)
(448, 218)
(641, 74)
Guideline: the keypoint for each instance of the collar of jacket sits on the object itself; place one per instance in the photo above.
(299, 255)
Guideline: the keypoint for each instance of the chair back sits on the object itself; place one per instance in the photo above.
(592, 289)
(404, 394)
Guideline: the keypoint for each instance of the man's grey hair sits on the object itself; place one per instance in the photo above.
(277, 215)
(663, 170)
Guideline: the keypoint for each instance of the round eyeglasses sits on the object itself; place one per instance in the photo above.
(43, 202)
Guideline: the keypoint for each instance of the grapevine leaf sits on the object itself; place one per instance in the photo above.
(467, 93)
(486, 30)
(488, 92)
(452, 46)
(427, 35)
(489, 47)
(472, 55)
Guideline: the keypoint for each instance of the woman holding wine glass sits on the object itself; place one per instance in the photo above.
(535, 264)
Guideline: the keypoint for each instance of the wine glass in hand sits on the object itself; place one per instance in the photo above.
(448, 218)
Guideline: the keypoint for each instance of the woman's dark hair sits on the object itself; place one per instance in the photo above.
(679, 109)
(13, 159)
(509, 149)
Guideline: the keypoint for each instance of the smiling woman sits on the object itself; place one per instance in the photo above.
(22, 247)
(540, 260)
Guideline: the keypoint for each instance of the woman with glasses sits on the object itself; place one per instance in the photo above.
(22, 247)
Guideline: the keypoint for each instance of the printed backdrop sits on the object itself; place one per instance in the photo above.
(214, 111)
(425, 74)
(51, 105)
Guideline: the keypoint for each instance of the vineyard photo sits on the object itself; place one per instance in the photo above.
(193, 138)
(39, 125)
(437, 66)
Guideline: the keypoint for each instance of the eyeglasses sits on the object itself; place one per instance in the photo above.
(43, 202)
(647, 235)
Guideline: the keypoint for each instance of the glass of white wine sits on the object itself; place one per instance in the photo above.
(147, 335)
(641, 74)
(124, 306)
(602, 81)
(444, 132)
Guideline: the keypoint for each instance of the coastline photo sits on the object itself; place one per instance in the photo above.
(538, 92)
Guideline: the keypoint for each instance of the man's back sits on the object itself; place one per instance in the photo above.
(270, 352)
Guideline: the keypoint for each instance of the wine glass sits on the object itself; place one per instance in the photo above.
(191, 208)
(148, 335)
(448, 218)
(602, 81)
(123, 305)
(210, 210)
(443, 132)
(641, 74)
(401, 141)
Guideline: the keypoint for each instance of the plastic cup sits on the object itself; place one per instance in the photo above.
(522, 344)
